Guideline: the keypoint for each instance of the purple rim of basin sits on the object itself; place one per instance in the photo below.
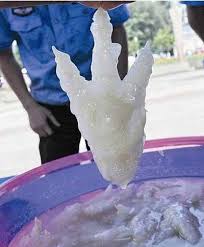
(35, 192)
(76, 159)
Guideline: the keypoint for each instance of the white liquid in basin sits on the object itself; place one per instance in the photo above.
(161, 213)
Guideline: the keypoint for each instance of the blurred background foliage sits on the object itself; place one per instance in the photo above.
(150, 21)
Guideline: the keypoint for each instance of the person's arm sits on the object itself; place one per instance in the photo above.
(119, 36)
(196, 19)
(104, 4)
(94, 4)
(37, 114)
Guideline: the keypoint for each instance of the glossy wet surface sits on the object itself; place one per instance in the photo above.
(159, 213)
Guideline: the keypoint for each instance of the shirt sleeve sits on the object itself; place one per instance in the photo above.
(193, 3)
(6, 36)
(119, 15)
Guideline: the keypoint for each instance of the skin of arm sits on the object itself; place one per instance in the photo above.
(196, 19)
(37, 114)
(119, 36)
(94, 4)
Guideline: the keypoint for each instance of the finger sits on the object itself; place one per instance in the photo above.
(94, 4)
(112, 4)
(53, 119)
(38, 131)
(109, 5)
(104, 4)
(48, 130)
(41, 133)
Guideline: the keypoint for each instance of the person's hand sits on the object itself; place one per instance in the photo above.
(95, 4)
(104, 4)
(39, 118)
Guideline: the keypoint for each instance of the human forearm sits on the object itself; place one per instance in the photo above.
(38, 115)
(196, 19)
(119, 36)
(94, 4)
(14, 77)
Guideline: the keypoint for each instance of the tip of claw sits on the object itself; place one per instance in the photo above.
(58, 54)
(100, 14)
(148, 45)
(54, 49)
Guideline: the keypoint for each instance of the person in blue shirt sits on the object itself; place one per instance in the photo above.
(36, 30)
(195, 10)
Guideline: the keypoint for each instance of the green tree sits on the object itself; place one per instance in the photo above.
(133, 46)
(163, 41)
(146, 19)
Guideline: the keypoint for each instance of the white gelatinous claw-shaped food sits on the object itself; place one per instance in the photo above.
(144, 226)
(114, 237)
(97, 209)
(110, 112)
(42, 237)
(177, 219)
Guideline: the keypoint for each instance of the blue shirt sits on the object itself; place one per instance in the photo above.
(37, 29)
(193, 3)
